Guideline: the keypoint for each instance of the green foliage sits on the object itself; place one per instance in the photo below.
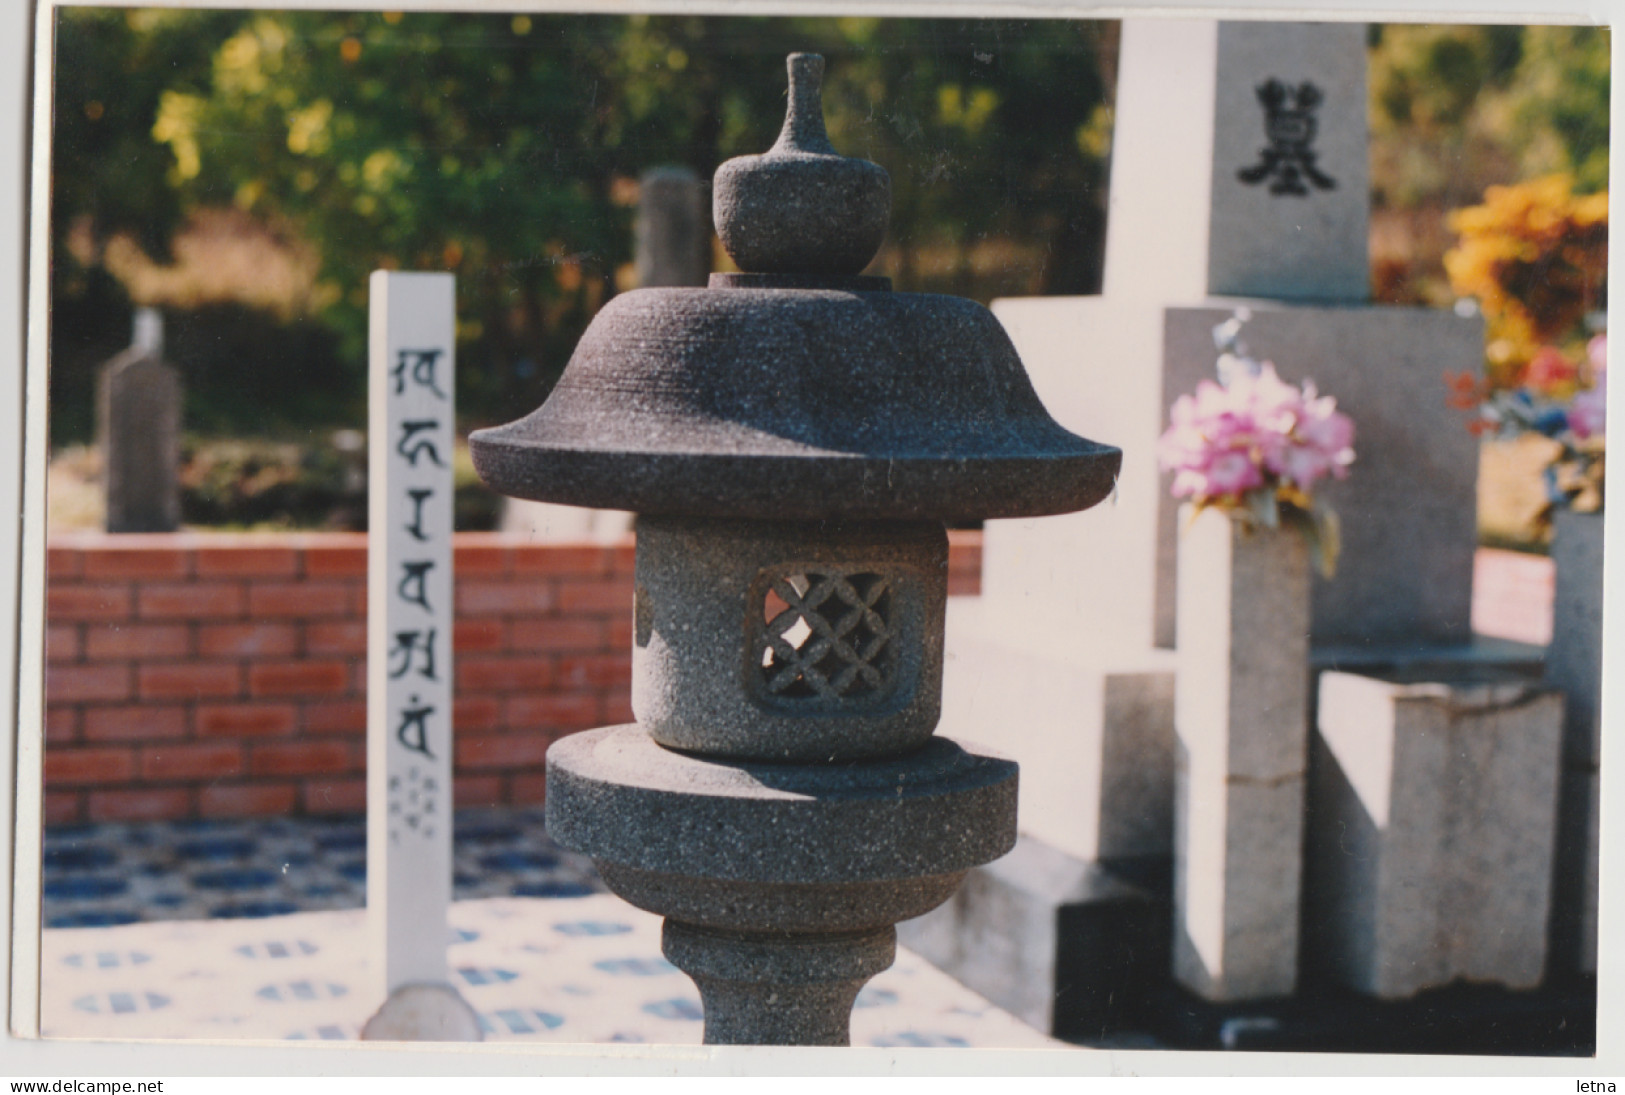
(257, 483)
(112, 68)
(1450, 103)
(1560, 104)
(506, 149)
(1430, 86)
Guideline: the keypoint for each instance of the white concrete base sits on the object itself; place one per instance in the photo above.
(423, 1013)
(1093, 735)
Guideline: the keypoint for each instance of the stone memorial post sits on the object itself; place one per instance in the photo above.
(411, 430)
(792, 438)
(138, 424)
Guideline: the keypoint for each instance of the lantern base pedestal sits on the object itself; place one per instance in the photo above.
(781, 883)
(776, 990)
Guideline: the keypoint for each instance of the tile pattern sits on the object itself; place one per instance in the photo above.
(255, 930)
(581, 969)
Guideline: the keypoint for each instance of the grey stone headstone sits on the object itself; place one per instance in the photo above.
(138, 422)
(147, 330)
(1291, 175)
(1409, 505)
(1574, 658)
(673, 229)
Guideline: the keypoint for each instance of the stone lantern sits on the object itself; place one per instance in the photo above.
(792, 438)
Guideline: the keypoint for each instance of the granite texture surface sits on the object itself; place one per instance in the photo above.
(770, 990)
(786, 641)
(1431, 833)
(618, 797)
(778, 403)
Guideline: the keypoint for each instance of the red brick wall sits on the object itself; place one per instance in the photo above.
(202, 675)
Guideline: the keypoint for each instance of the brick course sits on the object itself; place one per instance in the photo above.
(224, 675)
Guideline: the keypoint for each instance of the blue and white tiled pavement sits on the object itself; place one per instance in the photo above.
(254, 930)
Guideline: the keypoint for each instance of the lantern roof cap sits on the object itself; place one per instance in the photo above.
(797, 388)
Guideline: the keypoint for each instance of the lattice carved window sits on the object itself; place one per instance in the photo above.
(828, 637)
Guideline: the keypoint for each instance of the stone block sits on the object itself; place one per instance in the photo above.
(1237, 867)
(1290, 204)
(1409, 504)
(1057, 941)
(1241, 703)
(1431, 831)
(138, 422)
(1242, 694)
(841, 633)
(1094, 736)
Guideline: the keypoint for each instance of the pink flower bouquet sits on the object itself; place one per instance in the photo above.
(1255, 446)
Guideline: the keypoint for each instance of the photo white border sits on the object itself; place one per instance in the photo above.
(24, 54)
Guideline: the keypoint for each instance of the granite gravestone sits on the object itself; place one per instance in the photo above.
(138, 421)
(1245, 176)
(672, 234)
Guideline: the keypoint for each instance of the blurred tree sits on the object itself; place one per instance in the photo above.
(108, 175)
(507, 148)
(1558, 99)
(1457, 109)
